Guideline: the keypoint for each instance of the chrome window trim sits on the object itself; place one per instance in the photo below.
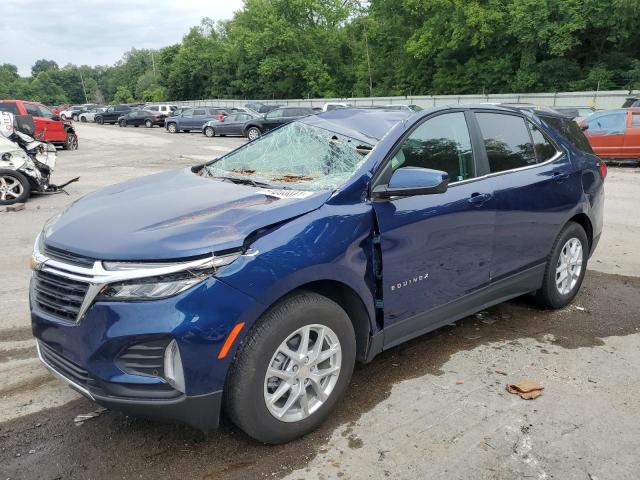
(65, 379)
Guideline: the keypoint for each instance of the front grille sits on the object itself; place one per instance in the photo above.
(68, 257)
(144, 358)
(65, 367)
(58, 296)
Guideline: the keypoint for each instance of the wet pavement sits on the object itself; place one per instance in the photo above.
(470, 361)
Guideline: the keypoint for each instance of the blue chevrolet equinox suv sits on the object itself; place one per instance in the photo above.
(254, 282)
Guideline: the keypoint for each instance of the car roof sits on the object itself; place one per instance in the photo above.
(366, 125)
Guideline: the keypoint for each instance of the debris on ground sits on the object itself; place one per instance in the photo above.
(501, 372)
(582, 309)
(527, 389)
(80, 419)
(16, 207)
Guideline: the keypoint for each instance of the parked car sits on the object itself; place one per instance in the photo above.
(576, 113)
(406, 108)
(265, 274)
(90, 115)
(261, 107)
(141, 117)
(71, 112)
(193, 119)
(179, 110)
(230, 125)
(631, 102)
(256, 127)
(166, 110)
(112, 114)
(614, 134)
(49, 127)
(327, 107)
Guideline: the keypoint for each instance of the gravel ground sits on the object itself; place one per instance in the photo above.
(435, 407)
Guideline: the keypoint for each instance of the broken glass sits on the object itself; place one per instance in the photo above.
(296, 156)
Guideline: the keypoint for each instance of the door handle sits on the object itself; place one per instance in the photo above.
(560, 177)
(477, 199)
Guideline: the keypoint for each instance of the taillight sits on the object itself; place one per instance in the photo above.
(603, 169)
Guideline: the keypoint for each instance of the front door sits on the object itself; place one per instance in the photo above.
(435, 248)
(606, 134)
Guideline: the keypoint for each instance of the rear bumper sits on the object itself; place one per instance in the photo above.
(199, 411)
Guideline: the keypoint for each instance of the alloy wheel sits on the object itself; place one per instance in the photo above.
(253, 133)
(72, 142)
(10, 188)
(569, 266)
(302, 373)
(172, 128)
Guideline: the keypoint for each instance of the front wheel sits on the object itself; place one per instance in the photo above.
(83, 119)
(75, 118)
(100, 121)
(565, 268)
(172, 128)
(209, 132)
(291, 369)
(14, 187)
(148, 123)
(253, 133)
(122, 123)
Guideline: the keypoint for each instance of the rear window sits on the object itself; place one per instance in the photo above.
(506, 140)
(9, 107)
(570, 131)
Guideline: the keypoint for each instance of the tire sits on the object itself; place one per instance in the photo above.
(248, 385)
(83, 119)
(209, 132)
(253, 133)
(148, 123)
(172, 128)
(555, 292)
(63, 117)
(122, 123)
(71, 143)
(14, 187)
(75, 118)
(100, 121)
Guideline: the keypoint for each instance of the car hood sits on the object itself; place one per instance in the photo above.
(172, 215)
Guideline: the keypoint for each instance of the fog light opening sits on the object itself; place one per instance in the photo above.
(173, 372)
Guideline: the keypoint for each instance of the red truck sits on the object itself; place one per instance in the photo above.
(55, 130)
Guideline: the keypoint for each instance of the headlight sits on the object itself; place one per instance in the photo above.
(147, 286)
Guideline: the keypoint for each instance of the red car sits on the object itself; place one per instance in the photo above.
(56, 131)
(614, 134)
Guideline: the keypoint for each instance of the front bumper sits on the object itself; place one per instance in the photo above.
(199, 411)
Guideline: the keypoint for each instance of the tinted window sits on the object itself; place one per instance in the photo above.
(635, 120)
(187, 113)
(9, 107)
(200, 111)
(45, 112)
(231, 118)
(543, 147)
(506, 140)
(570, 131)
(155, 108)
(441, 143)
(32, 109)
(243, 117)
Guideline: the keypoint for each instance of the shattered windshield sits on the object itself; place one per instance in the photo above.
(296, 156)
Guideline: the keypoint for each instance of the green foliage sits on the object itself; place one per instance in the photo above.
(343, 48)
(123, 95)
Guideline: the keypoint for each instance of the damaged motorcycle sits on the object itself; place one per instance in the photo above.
(26, 163)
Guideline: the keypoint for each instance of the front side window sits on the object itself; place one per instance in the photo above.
(441, 143)
(296, 156)
(635, 120)
(32, 109)
(609, 124)
(199, 112)
(10, 107)
(506, 140)
(187, 113)
(278, 113)
(154, 108)
(45, 112)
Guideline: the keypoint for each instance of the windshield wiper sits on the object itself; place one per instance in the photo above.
(243, 181)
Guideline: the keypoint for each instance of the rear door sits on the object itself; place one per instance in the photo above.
(606, 133)
(535, 187)
(632, 136)
(198, 119)
(236, 127)
(273, 119)
(225, 126)
(435, 248)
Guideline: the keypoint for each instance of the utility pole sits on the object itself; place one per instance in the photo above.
(153, 62)
(84, 89)
(366, 45)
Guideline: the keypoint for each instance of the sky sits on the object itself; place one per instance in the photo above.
(96, 32)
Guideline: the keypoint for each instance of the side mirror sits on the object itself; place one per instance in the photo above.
(409, 181)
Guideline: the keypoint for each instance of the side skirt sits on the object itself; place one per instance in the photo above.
(501, 291)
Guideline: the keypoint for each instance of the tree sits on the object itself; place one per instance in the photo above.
(43, 65)
(156, 94)
(123, 95)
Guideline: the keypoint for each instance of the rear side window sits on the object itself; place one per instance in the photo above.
(155, 108)
(570, 131)
(441, 143)
(635, 120)
(9, 107)
(543, 147)
(506, 140)
(199, 112)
